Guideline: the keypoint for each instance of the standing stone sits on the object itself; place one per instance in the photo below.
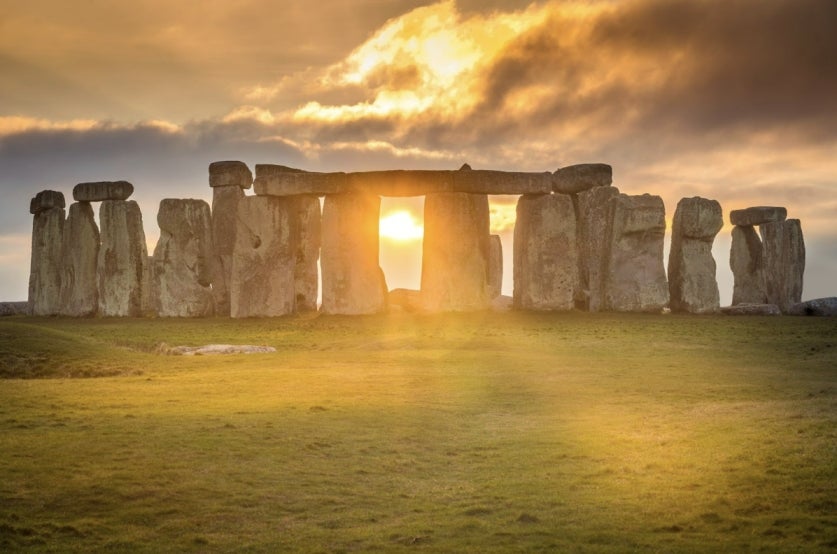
(592, 210)
(306, 269)
(225, 201)
(122, 257)
(353, 282)
(455, 252)
(746, 260)
(691, 268)
(635, 278)
(545, 253)
(262, 277)
(47, 239)
(495, 266)
(784, 262)
(80, 254)
(182, 259)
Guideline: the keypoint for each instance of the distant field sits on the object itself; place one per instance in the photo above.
(455, 433)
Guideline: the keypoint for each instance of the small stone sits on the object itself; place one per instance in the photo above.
(230, 174)
(757, 215)
(752, 309)
(46, 200)
(14, 308)
(577, 178)
(823, 307)
(102, 190)
(405, 299)
(465, 167)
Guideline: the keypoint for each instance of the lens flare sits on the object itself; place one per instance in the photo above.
(401, 226)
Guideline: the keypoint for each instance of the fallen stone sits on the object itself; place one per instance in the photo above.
(578, 178)
(823, 307)
(123, 254)
(405, 299)
(103, 190)
(46, 258)
(692, 285)
(309, 238)
(278, 180)
(784, 262)
(46, 200)
(545, 253)
(455, 252)
(592, 210)
(80, 255)
(230, 174)
(495, 266)
(224, 207)
(352, 280)
(752, 309)
(635, 278)
(182, 273)
(264, 258)
(14, 308)
(214, 349)
(746, 260)
(757, 215)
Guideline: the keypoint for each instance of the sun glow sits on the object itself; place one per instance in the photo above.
(401, 226)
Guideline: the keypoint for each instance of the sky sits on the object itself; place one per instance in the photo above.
(730, 100)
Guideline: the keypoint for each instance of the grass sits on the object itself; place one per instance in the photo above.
(455, 433)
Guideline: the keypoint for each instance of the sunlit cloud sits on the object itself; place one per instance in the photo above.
(10, 125)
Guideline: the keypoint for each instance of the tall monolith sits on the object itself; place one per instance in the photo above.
(46, 259)
(746, 260)
(545, 253)
(784, 262)
(495, 266)
(264, 258)
(455, 252)
(592, 213)
(80, 254)
(353, 282)
(692, 285)
(634, 277)
(122, 258)
(309, 238)
(183, 259)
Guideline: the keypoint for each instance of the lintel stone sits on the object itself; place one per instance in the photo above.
(278, 180)
(757, 215)
(102, 190)
(580, 177)
(230, 174)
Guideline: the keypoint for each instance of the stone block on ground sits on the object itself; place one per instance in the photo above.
(823, 307)
(784, 262)
(751, 309)
(545, 253)
(120, 269)
(102, 190)
(80, 255)
(14, 308)
(757, 215)
(693, 287)
(578, 178)
(230, 174)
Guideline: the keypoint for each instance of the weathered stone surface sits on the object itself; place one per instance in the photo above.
(757, 215)
(309, 238)
(545, 253)
(502, 303)
(14, 308)
(691, 268)
(455, 252)
(46, 200)
(501, 182)
(592, 210)
(80, 255)
(495, 266)
(45, 269)
(784, 262)
(224, 208)
(120, 270)
(149, 291)
(577, 178)
(635, 278)
(404, 299)
(264, 258)
(215, 349)
(102, 190)
(746, 260)
(278, 180)
(752, 309)
(182, 259)
(400, 183)
(823, 307)
(230, 174)
(353, 282)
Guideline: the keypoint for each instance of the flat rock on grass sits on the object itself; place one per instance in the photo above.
(210, 349)
(752, 309)
(826, 307)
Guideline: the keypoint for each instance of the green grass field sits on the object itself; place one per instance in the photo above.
(456, 433)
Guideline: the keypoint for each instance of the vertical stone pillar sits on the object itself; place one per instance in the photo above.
(80, 254)
(746, 260)
(122, 258)
(545, 253)
(306, 271)
(182, 259)
(495, 266)
(455, 252)
(228, 181)
(264, 257)
(784, 262)
(634, 278)
(47, 239)
(353, 282)
(691, 268)
(592, 210)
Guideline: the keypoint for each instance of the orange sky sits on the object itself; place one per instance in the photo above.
(735, 101)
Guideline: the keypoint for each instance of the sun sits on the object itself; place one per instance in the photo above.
(401, 226)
